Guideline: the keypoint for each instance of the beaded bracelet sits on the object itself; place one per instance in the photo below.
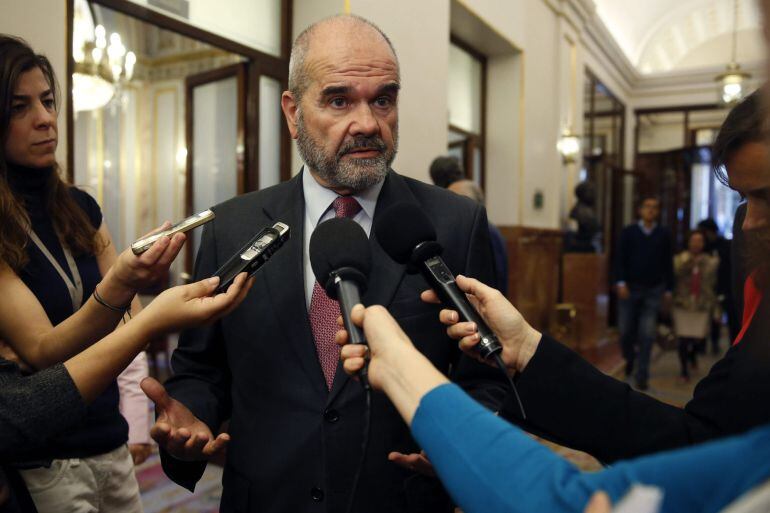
(99, 299)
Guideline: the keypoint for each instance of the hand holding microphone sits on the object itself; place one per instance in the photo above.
(519, 340)
(409, 237)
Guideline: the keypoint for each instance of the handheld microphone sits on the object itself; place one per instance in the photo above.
(253, 255)
(408, 236)
(341, 260)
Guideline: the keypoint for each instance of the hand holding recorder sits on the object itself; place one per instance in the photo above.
(180, 307)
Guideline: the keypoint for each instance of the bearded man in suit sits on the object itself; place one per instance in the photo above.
(272, 368)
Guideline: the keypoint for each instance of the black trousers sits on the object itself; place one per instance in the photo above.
(688, 354)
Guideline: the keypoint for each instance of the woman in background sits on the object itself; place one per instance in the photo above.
(695, 298)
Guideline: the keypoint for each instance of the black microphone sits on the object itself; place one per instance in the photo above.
(341, 260)
(408, 236)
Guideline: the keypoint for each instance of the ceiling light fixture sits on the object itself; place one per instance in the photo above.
(732, 83)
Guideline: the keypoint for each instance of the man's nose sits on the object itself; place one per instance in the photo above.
(364, 121)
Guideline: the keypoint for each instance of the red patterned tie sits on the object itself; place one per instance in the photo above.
(324, 310)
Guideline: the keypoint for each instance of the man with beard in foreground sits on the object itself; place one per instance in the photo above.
(272, 367)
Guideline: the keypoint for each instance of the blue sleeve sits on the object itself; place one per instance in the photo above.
(488, 465)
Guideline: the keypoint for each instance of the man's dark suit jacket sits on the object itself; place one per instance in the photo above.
(738, 259)
(296, 446)
(571, 402)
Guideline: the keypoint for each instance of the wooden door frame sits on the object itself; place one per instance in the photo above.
(259, 63)
(477, 140)
(238, 71)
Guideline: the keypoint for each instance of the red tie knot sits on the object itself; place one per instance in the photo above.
(346, 206)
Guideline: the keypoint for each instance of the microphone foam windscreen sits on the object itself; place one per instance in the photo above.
(338, 243)
(401, 227)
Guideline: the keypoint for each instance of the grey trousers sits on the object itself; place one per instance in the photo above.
(103, 483)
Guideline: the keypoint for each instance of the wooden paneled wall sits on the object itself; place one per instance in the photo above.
(534, 257)
(584, 285)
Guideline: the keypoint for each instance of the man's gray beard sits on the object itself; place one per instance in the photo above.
(356, 174)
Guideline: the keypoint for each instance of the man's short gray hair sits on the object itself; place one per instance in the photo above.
(298, 76)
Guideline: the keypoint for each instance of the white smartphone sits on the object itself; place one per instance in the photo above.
(191, 222)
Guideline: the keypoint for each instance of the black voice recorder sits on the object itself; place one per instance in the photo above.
(253, 255)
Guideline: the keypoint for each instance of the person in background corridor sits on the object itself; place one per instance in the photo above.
(644, 275)
(694, 298)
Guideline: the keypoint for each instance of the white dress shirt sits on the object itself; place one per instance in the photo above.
(318, 208)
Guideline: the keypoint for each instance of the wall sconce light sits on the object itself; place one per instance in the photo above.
(569, 146)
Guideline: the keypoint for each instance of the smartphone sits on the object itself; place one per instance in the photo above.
(253, 255)
(191, 222)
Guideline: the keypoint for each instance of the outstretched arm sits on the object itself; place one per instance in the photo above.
(36, 407)
(25, 326)
(492, 466)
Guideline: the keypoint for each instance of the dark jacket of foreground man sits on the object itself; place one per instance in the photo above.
(295, 445)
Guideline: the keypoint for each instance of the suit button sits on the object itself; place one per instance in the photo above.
(317, 494)
(331, 416)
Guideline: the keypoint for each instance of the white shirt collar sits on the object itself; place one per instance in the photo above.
(645, 230)
(318, 198)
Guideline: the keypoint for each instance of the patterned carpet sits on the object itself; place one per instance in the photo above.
(160, 495)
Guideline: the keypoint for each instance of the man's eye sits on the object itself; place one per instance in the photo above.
(383, 101)
(338, 102)
(49, 103)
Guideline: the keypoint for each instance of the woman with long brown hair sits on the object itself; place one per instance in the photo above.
(53, 237)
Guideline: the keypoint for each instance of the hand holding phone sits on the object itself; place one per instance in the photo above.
(191, 222)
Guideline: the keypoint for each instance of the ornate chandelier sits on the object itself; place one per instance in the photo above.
(100, 68)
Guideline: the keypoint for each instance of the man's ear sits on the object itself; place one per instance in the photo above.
(290, 106)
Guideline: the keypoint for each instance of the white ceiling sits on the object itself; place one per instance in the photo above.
(666, 35)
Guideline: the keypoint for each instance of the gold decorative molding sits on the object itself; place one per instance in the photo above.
(154, 164)
(139, 198)
(122, 162)
(99, 123)
(195, 55)
(522, 131)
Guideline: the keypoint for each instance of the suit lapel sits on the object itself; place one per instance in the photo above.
(286, 286)
(386, 274)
